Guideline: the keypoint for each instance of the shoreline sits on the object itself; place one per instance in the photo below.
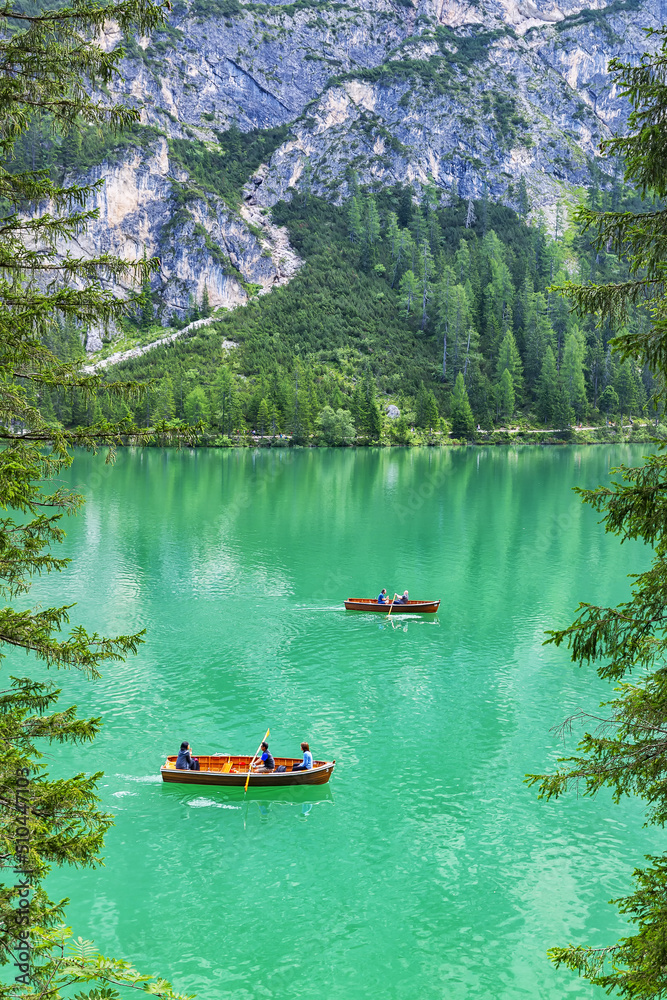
(638, 434)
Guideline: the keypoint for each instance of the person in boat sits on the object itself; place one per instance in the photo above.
(403, 599)
(382, 596)
(307, 762)
(185, 761)
(266, 764)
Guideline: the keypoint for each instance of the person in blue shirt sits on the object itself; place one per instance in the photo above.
(307, 762)
(266, 764)
(382, 597)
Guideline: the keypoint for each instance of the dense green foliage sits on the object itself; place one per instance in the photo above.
(626, 747)
(49, 64)
(226, 169)
(412, 296)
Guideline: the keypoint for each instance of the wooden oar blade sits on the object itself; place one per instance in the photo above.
(247, 780)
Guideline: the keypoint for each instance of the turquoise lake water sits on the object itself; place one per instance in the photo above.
(426, 868)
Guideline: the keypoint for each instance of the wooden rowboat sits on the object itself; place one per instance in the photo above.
(225, 769)
(414, 607)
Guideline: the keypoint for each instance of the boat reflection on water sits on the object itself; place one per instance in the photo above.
(291, 796)
(299, 799)
(302, 800)
(402, 623)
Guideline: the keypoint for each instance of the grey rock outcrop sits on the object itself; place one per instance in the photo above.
(470, 95)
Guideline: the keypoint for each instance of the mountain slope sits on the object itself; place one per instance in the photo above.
(474, 96)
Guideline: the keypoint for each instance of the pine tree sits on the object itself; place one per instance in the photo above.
(463, 262)
(538, 335)
(372, 230)
(624, 385)
(431, 416)
(196, 406)
(572, 375)
(506, 396)
(263, 417)
(609, 402)
(225, 400)
(510, 359)
(300, 418)
(205, 303)
(52, 61)
(638, 236)
(367, 419)
(360, 410)
(463, 422)
(420, 406)
(596, 366)
(427, 268)
(145, 302)
(355, 226)
(548, 389)
(166, 404)
(374, 422)
(393, 241)
(408, 290)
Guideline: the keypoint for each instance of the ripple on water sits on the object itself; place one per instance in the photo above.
(435, 872)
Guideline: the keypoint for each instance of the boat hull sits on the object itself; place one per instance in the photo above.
(413, 607)
(213, 772)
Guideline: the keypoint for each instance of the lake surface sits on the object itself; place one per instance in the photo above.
(426, 868)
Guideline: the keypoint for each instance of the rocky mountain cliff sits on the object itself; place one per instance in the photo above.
(471, 94)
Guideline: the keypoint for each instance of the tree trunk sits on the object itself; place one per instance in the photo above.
(465, 367)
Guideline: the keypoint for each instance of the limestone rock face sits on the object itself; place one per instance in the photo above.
(471, 94)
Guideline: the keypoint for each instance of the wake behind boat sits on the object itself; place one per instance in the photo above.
(225, 769)
(414, 607)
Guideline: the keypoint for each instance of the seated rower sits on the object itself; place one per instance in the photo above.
(382, 597)
(307, 762)
(185, 761)
(266, 764)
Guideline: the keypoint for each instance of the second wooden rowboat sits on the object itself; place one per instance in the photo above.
(414, 607)
(226, 769)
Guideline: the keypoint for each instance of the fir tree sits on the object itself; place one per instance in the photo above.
(431, 415)
(374, 422)
(408, 290)
(609, 402)
(548, 389)
(427, 268)
(393, 241)
(205, 303)
(510, 359)
(53, 62)
(196, 406)
(463, 423)
(355, 225)
(523, 204)
(572, 375)
(506, 396)
(263, 417)
(225, 402)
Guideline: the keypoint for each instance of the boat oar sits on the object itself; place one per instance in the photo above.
(391, 605)
(247, 780)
